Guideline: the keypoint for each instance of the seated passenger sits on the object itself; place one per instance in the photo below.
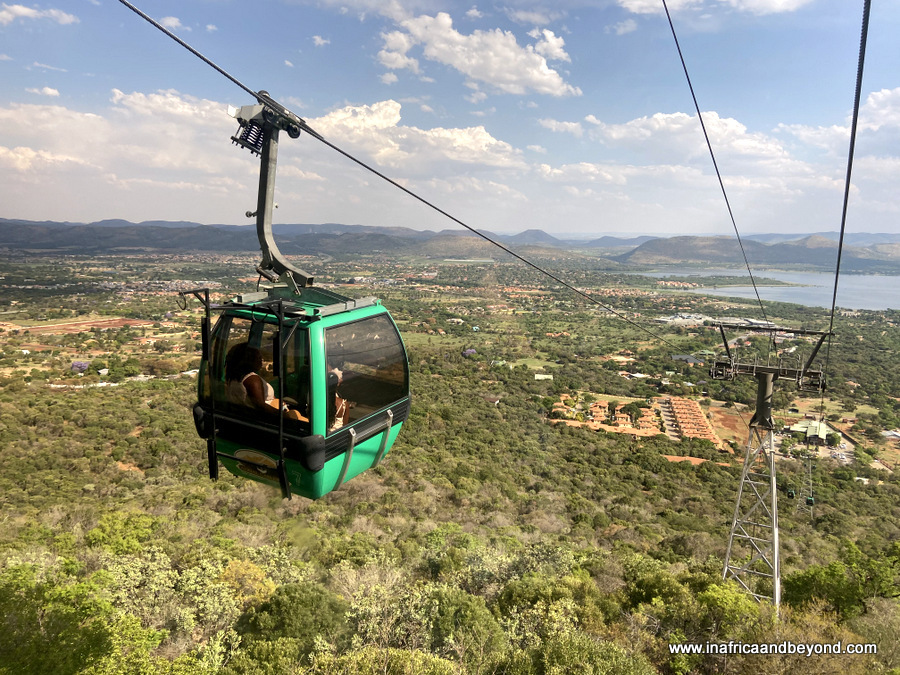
(338, 408)
(243, 384)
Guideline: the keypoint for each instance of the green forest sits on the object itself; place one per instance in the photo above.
(488, 542)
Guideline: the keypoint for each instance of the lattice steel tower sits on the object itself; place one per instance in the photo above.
(753, 554)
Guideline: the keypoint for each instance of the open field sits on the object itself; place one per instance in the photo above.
(83, 326)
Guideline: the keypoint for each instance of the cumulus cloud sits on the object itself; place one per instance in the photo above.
(549, 45)
(623, 27)
(319, 41)
(879, 122)
(758, 7)
(473, 13)
(173, 23)
(573, 128)
(28, 159)
(377, 130)
(532, 17)
(211, 28)
(881, 110)
(9, 13)
(767, 6)
(492, 57)
(680, 135)
(655, 7)
(44, 91)
(394, 55)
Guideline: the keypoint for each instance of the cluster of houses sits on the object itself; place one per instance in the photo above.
(689, 419)
(597, 416)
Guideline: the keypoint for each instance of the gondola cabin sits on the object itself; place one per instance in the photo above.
(302, 391)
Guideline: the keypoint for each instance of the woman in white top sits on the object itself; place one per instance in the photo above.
(244, 386)
(242, 383)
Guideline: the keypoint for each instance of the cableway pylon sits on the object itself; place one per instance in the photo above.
(753, 558)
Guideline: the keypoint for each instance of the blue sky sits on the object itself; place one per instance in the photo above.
(571, 116)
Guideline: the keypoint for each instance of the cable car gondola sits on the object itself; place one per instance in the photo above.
(299, 387)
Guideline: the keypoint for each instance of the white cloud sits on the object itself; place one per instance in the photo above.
(473, 13)
(395, 53)
(392, 9)
(376, 130)
(211, 28)
(288, 63)
(549, 45)
(656, 7)
(5, 57)
(29, 160)
(319, 41)
(44, 91)
(679, 135)
(492, 57)
(532, 17)
(879, 120)
(9, 13)
(623, 27)
(173, 23)
(389, 78)
(44, 66)
(881, 110)
(767, 6)
(758, 7)
(573, 128)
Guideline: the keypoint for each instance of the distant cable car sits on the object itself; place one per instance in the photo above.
(299, 387)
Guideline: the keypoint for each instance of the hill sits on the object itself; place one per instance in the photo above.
(814, 251)
(818, 251)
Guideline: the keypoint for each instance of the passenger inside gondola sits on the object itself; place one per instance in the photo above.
(339, 408)
(245, 386)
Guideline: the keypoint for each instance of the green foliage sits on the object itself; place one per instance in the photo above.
(381, 661)
(847, 584)
(487, 542)
(464, 628)
(130, 650)
(40, 616)
(301, 612)
(573, 653)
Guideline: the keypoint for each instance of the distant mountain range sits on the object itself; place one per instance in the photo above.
(862, 251)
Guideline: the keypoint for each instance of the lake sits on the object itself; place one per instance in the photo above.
(855, 291)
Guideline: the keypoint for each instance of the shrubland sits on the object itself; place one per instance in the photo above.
(489, 541)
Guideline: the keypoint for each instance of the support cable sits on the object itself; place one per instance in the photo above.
(193, 51)
(317, 136)
(471, 229)
(713, 157)
(853, 129)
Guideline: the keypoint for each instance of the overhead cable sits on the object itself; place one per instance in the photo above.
(266, 100)
(853, 130)
(713, 157)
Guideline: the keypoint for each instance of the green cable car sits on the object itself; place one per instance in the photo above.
(299, 387)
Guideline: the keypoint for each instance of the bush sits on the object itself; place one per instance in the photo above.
(302, 612)
(380, 661)
(463, 625)
(575, 653)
